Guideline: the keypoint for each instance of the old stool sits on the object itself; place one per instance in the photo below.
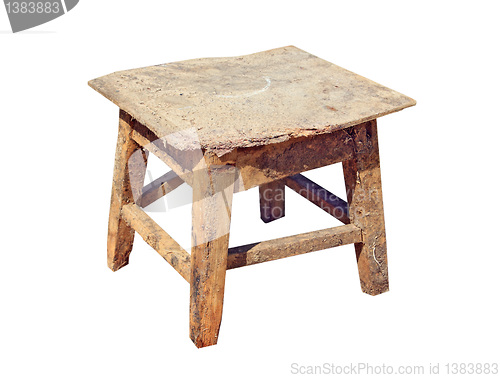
(225, 125)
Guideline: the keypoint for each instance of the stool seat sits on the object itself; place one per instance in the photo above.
(220, 104)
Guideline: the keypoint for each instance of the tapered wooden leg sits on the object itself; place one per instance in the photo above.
(212, 198)
(272, 201)
(128, 179)
(364, 195)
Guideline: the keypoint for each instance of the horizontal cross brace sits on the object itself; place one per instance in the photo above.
(243, 255)
(157, 238)
(160, 187)
(321, 197)
(292, 245)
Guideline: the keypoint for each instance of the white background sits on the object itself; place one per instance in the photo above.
(63, 313)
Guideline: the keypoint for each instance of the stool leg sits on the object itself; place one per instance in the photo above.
(364, 195)
(128, 179)
(272, 201)
(212, 200)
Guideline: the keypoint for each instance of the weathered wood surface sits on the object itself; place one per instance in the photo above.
(364, 195)
(318, 195)
(128, 174)
(220, 104)
(257, 165)
(137, 166)
(272, 201)
(157, 238)
(292, 245)
(263, 164)
(160, 187)
(181, 162)
(212, 199)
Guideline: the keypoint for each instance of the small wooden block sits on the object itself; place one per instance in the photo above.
(272, 201)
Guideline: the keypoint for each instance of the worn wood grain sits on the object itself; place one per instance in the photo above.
(318, 195)
(364, 195)
(157, 238)
(181, 163)
(251, 100)
(263, 164)
(256, 165)
(272, 201)
(137, 167)
(292, 245)
(160, 187)
(128, 176)
(211, 213)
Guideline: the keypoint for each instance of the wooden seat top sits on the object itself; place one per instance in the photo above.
(220, 104)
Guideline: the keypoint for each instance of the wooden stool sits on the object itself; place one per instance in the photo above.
(225, 125)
